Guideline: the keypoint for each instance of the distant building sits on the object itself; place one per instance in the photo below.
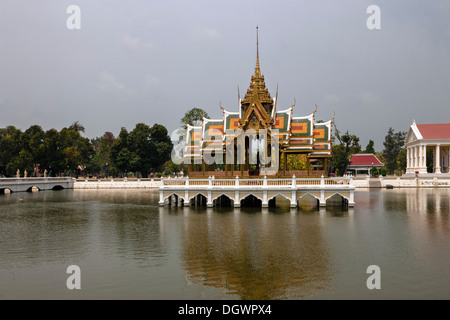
(428, 136)
(363, 163)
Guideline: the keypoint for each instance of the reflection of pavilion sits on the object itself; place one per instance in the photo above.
(256, 134)
(422, 137)
(256, 256)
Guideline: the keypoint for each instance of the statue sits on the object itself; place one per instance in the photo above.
(25, 173)
(45, 173)
(18, 173)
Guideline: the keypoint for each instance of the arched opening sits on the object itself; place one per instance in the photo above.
(5, 191)
(198, 200)
(337, 200)
(279, 201)
(308, 202)
(223, 201)
(58, 187)
(251, 201)
(33, 189)
(175, 200)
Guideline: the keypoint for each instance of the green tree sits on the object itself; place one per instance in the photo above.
(401, 160)
(369, 147)
(193, 115)
(119, 152)
(343, 147)
(374, 171)
(10, 147)
(101, 162)
(142, 150)
(393, 143)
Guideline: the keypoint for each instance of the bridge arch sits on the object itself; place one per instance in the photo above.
(168, 196)
(336, 193)
(279, 194)
(58, 187)
(308, 201)
(338, 198)
(193, 195)
(33, 189)
(5, 191)
(223, 200)
(199, 199)
(251, 200)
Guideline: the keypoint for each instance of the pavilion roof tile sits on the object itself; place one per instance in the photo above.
(366, 159)
(435, 131)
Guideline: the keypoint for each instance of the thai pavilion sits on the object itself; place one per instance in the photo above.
(238, 140)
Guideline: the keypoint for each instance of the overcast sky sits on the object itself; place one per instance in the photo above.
(151, 61)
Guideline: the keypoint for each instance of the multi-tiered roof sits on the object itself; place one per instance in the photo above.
(258, 110)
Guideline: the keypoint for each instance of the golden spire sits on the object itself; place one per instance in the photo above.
(257, 53)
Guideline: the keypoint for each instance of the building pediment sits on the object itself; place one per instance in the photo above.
(411, 137)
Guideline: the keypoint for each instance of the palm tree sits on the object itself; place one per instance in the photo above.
(76, 126)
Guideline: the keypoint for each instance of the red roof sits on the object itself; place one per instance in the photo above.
(435, 131)
(366, 159)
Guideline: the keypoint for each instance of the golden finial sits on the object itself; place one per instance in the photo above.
(334, 115)
(220, 105)
(276, 101)
(257, 50)
(316, 109)
(293, 104)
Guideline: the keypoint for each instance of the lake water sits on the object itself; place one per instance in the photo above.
(129, 248)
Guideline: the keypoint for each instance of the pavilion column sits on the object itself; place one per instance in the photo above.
(422, 162)
(438, 159)
(413, 158)
(425, 158)
(416, 158)
(407, 159)
(409, 154)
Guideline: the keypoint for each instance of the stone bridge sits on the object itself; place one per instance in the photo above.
(8, 185)
(185, 191)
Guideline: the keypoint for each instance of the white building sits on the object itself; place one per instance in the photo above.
(428, 136)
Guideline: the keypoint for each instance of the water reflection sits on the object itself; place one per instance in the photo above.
(36, 228)
(128, 247)
(431, 205)
(256, 255)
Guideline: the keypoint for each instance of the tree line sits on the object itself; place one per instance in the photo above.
(146, 150)
(393, 156)
(142, 151)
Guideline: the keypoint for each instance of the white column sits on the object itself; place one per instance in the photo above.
(411, 159)
(438, 159)
(407, 159)
(420, 159)
(425, 158)
(417, 158)
(414, 158)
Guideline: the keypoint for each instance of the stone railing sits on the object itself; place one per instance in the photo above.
(260, 182)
